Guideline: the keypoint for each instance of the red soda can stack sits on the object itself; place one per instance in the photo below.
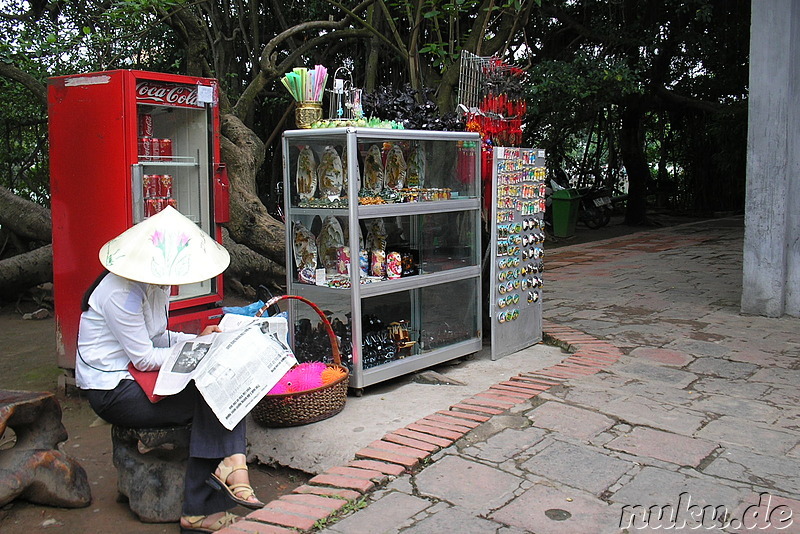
(145, 134)
(154, 205)
(151, 185)
(165, 185)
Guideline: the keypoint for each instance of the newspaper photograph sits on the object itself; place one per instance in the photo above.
(232, 369)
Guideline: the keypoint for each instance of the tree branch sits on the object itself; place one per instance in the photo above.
(33, 85)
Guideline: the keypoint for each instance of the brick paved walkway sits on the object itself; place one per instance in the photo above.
(667, 400)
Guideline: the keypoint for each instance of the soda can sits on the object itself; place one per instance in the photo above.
(172, 202)
(145, 146)
(145, 125)
(152, 206)
(155, 147)
(150, 185)
(165, 185)
(165, 148)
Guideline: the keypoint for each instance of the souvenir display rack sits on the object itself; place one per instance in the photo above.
(517, 237)
(383, 233)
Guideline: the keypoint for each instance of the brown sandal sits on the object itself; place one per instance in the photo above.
(238, 493)
(196, 523)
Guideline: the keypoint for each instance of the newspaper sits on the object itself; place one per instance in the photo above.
(232, 369)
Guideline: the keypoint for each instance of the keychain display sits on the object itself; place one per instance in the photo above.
(519, 207)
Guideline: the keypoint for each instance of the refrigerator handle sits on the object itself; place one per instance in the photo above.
(222, 207)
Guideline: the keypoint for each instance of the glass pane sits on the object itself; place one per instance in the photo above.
(441, 322)
(435, 241)
(174, 153)
(311, 341)
(387, 171)
(388, 329)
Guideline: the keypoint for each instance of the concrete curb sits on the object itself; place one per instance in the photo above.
(409, 449)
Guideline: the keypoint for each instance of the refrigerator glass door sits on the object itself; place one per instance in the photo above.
(174, 168)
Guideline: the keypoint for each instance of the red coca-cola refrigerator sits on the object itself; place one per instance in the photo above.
(123, 145)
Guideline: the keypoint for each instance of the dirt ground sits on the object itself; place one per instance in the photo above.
(27, 362)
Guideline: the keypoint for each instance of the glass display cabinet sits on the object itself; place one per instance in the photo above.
(383, 233)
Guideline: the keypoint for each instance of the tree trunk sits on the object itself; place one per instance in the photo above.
(248, 270)
(250, 224)
(631, 147)
(24, 271)
(24, 218)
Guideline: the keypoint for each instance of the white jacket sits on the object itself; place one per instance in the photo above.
(126, 322)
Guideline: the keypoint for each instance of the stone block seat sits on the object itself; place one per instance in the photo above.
(31, 466)
(151, 463)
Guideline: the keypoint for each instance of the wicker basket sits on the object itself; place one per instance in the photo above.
(293, 409)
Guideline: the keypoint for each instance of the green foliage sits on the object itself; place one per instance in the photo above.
(681, 65)
(587, 61)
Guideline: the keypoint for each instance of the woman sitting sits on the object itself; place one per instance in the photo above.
(124, 322)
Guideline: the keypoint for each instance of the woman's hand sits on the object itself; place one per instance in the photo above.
(209, 330)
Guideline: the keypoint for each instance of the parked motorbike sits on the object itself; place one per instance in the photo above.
(595, 207)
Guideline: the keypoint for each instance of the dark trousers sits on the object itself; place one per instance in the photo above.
(210, 442)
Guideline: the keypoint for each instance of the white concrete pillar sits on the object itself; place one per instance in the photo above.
(771, 269)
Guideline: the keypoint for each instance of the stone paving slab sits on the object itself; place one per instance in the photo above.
(666, 446)
(505, 445)
(577, 466)
(751, 410)
(676, 378)
(640, 410)
(779, 473)
(385, 515)
(734, 388)
(673, 358)
(781, 377)
(654, 486)
(569, 420)
(456, 520)
(557, 510)
(722, 368)
(468, 484)
(755, 436)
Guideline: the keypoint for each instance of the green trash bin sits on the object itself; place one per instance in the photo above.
(565, 204)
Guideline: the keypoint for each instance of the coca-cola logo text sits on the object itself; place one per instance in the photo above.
(173, 95)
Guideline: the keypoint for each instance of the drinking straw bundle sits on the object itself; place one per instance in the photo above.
(306, 85)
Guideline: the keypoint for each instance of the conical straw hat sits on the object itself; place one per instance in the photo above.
(165, 249)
